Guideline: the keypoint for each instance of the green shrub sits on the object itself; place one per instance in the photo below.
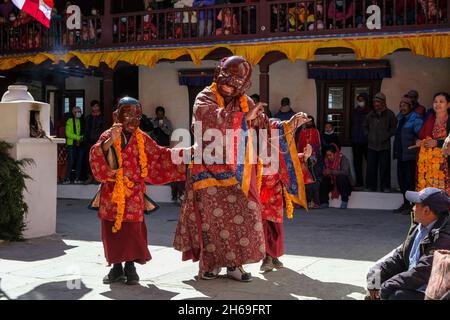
(12, 185)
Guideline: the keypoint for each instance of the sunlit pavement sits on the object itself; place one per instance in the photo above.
(328, 253)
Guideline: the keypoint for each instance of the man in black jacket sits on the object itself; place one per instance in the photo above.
(404, 273)
(94, 129)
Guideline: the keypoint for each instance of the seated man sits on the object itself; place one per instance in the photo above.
(404, 274)
(337, 177)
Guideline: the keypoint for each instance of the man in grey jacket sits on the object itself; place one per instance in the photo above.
(379, 126)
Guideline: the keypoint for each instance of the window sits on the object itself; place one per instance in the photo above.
(336, 100)
(338, 83)
(72, 98)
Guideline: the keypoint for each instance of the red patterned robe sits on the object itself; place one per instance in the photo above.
(218, 225)
(130, 242)
(272, 208)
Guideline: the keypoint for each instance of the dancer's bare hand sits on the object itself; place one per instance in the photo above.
(116, 131)
(307, 151)
(298, 120)
(430, 143)
(255, 112)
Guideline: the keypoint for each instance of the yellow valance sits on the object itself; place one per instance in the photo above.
(433, 45)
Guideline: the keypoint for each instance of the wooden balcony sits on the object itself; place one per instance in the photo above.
(222, 23)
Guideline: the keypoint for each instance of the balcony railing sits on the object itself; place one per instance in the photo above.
(223, 22)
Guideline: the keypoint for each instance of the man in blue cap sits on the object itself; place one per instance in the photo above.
(404, 273)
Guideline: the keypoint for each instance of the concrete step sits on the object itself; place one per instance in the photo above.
(358, 200)
(79, 191)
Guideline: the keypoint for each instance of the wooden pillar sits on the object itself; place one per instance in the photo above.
(107, 24)
(107, 94)
(264, 65)
(264, 84)
(263, 18)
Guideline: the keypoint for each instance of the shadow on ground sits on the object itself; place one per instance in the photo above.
(73, 289)
(120, 291)
(284, 284)
(354, 234)
(35, 249)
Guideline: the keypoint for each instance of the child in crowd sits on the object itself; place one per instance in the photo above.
(329, 136)
(229, 22)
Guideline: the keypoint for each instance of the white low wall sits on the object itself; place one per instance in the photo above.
(161, 194)
(74, 191)
(41, 188)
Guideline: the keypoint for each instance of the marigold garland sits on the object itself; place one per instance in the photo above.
(259, 173)
(142, 155)
(123, 186)
(243, 102)
(288, 203)
(429, 168)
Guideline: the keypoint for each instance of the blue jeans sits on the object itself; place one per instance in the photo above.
(201, 28)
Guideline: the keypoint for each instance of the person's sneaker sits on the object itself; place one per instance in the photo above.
(277, 263)
(210, 275)
(78, 181)
(324, 206)
(239, 274)
(387, 190)
(115, 275)
(400, 209)
(131, 274)
(315, 206)
(344, 205)
(66, 181)
(267, 264)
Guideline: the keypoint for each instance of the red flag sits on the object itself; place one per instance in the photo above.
(41, 10)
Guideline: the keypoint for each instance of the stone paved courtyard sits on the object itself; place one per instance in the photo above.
(328, 253)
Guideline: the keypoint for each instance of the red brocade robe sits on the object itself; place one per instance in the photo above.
(130, 242)
(271, 196)
(220, 225)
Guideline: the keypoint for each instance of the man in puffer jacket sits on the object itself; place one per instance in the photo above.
(404, 273)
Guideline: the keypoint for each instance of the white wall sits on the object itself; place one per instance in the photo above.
(91, 87)
(159, 86)
(426, 75)
(290, 80)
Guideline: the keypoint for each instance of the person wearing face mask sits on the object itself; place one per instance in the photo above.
(329, 136)
(359, 138)
(124, 159)
(74, 136)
